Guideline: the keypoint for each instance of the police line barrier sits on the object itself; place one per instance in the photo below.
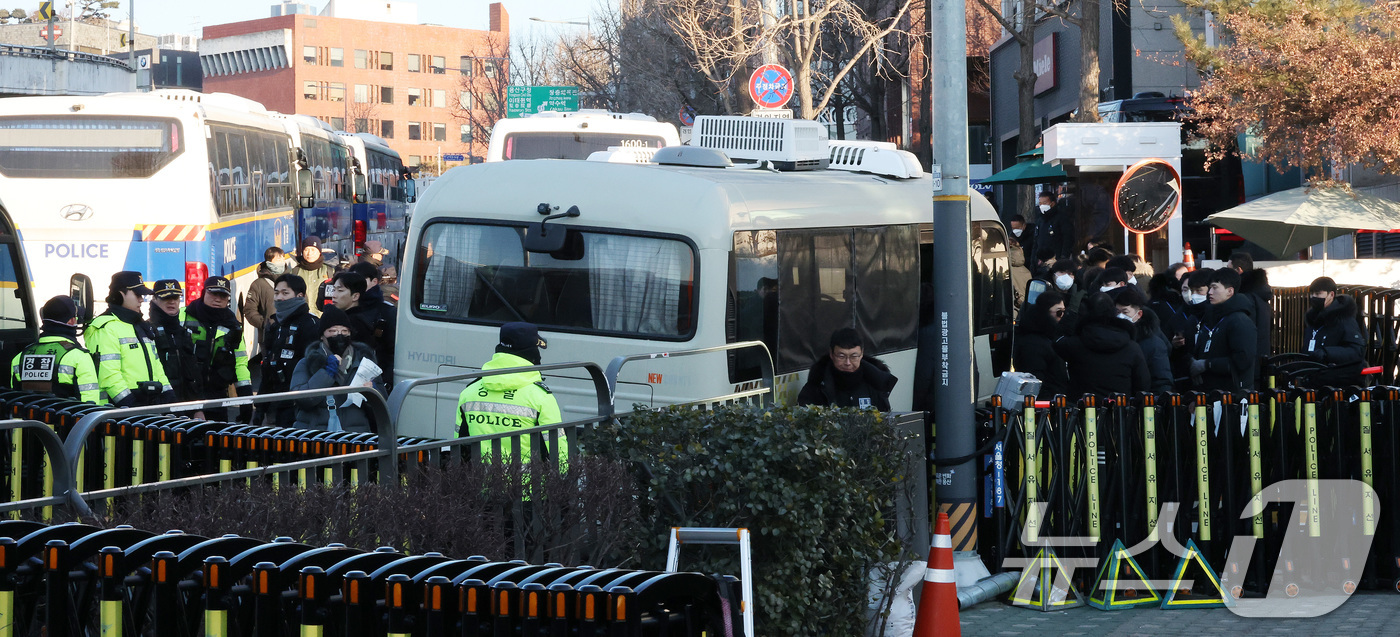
(1133, 500)
(72, 579)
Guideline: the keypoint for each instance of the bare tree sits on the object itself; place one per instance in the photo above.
(482, 100)
(810, 33)
(722, 35)
(359, 116)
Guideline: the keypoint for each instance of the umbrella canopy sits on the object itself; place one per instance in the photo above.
(1293, 220)
(1030, 171)
(1038, 151)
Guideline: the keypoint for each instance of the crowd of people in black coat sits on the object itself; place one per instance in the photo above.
(1095, 330)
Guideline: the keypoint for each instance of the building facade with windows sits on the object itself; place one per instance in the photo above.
(403, 82)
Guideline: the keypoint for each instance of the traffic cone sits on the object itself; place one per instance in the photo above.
(1188, 258)
(938, 604)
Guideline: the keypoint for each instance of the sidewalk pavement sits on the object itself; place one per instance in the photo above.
(1366, 613)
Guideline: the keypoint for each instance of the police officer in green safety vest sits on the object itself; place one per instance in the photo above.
(57, 364)
(129, 372)
(510, 402)
(218, 344)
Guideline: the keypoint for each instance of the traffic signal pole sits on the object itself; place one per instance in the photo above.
(954, 391)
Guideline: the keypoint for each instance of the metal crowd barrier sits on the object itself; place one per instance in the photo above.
(763, 392)
(1092, 480)
(73, 579)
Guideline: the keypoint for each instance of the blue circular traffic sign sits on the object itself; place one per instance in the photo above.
(770, 86)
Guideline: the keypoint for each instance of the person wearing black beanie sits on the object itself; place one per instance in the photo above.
(331, 361)
(312, 269)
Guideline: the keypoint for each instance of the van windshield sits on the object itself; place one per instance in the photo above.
(621, 284)
(572, 145)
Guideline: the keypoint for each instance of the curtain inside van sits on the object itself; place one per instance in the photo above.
(454, 252)
(635, 282)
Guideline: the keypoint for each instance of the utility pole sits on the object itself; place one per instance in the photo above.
(131, 35)
(954, 390)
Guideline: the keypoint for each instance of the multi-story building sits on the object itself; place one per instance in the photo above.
(403, 81)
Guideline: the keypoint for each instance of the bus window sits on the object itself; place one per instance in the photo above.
(571, 145)
(86, 147)
(612, 283)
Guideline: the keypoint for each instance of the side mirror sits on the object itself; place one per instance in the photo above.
(305, 188)
(410, 190)
(360, 185)
(80, 290)
(542, 238)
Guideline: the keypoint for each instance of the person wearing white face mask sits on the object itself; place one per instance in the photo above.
(1055, 230)
(259, 304)
(1147, 331)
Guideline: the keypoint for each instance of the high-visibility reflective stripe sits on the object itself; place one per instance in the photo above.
(1032, 480)
(1310, 444)
(1256, 471)
(215, 623)
(1149, 444)
(243, 383)
(67, 369)
(121, 395)
(89, 387)
(109, 357)
(7, 614)
(940, 576)
(942, 542)
(1091, 450)
(1368, 474)
(501, 408)
(1203, 471)
(127, 340)
(112, 618)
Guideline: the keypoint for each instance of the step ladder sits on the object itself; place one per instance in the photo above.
(703, 535)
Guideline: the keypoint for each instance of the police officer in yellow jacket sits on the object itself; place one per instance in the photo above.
(57, 364)
(129, 371)
(510, 402)
(218, 344)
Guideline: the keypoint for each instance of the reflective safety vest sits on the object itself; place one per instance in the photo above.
(127, 361)
(59, 366)
(509, 403)
(222, 354)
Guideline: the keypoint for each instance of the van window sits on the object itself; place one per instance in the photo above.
(793, 288)
(991, 280)
(613, 283)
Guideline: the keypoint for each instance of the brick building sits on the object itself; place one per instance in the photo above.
(401, 81)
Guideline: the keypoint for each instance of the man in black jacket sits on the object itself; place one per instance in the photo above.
(846, 377)
(1333, 336)
(1226, 338)
(379, 318)
(1055, 230)
(289, 329)
(1255, 283)
(173, 342)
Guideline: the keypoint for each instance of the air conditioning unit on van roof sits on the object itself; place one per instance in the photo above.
(791, 144)
(877, 158)
(623, 155)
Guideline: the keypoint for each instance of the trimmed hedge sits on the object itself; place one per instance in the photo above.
(817, 488)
